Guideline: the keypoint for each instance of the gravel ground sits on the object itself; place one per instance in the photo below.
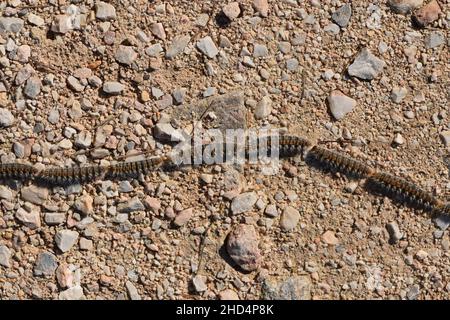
(93, 82)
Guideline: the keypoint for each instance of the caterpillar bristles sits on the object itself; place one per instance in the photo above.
(399, 188)
(134, 168)
(292, 145)
(67, 176)
(339, 162)
(16, 171)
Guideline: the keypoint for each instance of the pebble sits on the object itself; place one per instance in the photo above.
(23, 53)
(45, 265)
(394, 232)
(291, 288)
(340, 104)
(165, 132)
(35, 20)
(32, 87)
(404, 6)
(260, 50)
(62, 24)
(112, 87)
(105, 11)
(207, 47)
(413, 292)
(232, 10)
(53, 116)
(289, 219)
(442, 221)
(445, 137)
(66, 239)
(130, 206)
(83, 139)
(54, 218)
(210, 91)
(132, 291)
(5, 255)
(242, 246)
(243, 202)
(5, 193)
(177, 46)
(19, 150)
(86, 244)
(10, 24)
(262, 7)
(434, 40)
(292, 64)
(125, 186)
(427, 14)
(84, 205)
(199, 283)
(342, 15)
(34, 194)
(263, 108)
(75, 84)
(332, 28)
(154, 50)
(271, 211)
(228, 294)
(329, 238)
(64, 276)
(248, 62)
(6, 118)
(366, 66)
(158, 31)
(398, 94)
(178, 94)
(398, 139)
(73, 293)
(125, 55)
(183, 217)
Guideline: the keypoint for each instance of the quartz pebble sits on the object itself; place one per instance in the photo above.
(340, 104)
(242, 246)
(65, 239)
(232, 10)
(289, 219)
(6, 118)
(207, 46)
(398, 94)
(366, 66)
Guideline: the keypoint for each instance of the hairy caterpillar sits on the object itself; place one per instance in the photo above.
(65, 176)
(134, 168)
(17, 171)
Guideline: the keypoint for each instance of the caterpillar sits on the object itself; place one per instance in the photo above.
(17, 171)
(134, 168)
(67, 176)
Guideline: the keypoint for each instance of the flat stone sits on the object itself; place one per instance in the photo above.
(62, 24)
(53, 116)
(242, 246)
(86, 244)
(130, 206)
(404, 6)
(165, 132)
(291, 288)
(73, 293)
(54, 218)
(32, 87)
(292, 64)
(45, 265)
(207, 46)
(232, 10)
(427, 14)
(105, 11)
(35, 20)
(445, 137)
(23, 53)
(263, 108)
(394, 232)
(262, 7)
(6, 118)
(83, 139)
(183, 217)
(34, 194)
(342, 15)
(340, 104)
(10, 24)
(154, 50)
(75, 84)
(260, 50)
(289, 219)
(125, 55)
(434, 40)
(398, 94)
(66, 239)
(158, 31)
(132, 291)
(178, 95)
(177, 46)
(329, 238)
(199, 283)
(228, 294)
(5, 255)
(5, 193)
(84, 205)
(112, 87)
(243, 202)
(366, 66)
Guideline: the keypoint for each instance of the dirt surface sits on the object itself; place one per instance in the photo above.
(222, 231)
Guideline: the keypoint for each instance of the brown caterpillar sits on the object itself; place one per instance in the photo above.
(292, 145)
(64, 176)
(340, 162)
(16, 171)
(134, 168)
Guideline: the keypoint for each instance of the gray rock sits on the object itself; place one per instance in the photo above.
(342, 15)
(183, 217)
(75, 84)
(232, 10)
(199, 283)
(130, 206)
(434, 39)
(132, 291)
(289, 219)
(35, 20)
(242, 246)
(366, 66)
(394, 232)
(332, 28)
(105, 11)
(177, 46)
(6, 118)
(53, 116)
(248, 62)
(154, 50)
(207, 46)
(292, 64)
(83, 139)
(54, 218)
(210, 91)
(66, 239)
(125, 186)
(10, 24)
(5, 255)
(178, 94)
(46, 264)
(243, 202)
(260, 50)
(404, 6)
(340, 104)
(262, 7)
(158, 31)
(62, 24)
(398, 94)
(32, 87)
(165, 132)
(73, 293)
(125, 55)
(23, 53)
(271, 211)
(19, 150)
(292, 288)
(34, 194)
(263, 108)
(5, 193)
(413, 292)
(442, 221)
(112, 87)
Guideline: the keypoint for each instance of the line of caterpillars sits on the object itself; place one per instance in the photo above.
(387, 184)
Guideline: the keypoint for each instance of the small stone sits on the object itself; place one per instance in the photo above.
(154, 50)
(64, 276)
(366, 66)
(177, 46)
(84, 205)
(83, 139)
(53, 116)
(112, 87)
(207, 47)
(125, 186)
(74, 84)
(340, 104)
(183, 217)
(427, 14)
(5, 193)
(292, 288)
(404, 6)
(62, 24)
(329, 238)
(158, 31)
(232, 10)
(394, 232)
(248, 62)
(263, 108)
(165, 132)
(130, 206)
(35, 20)
(32, 87)
(442, 221)
(262, 7)
(199, 283)
(243, 202)
(202, 20)
(9, 24)
(413, 292)
(228, 294)
(86, 244)
(105, 11)
(23, 53)
(398, 94)
(398, 139)
(434, 39)
(125, 55)
(242, 246)
(224, 42)
(342, 15)
(132, 291)
(6, 118)
(289, 219)
(34, 194)
(65, 239)
(5, 255)
(260, 50)
(421, 255)
(46, 264)
(332, 28)
(292, 64)
(271, 211)
(445, 137)
(73, 293)
(210, 91)
(178, 94)
(54, 218)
